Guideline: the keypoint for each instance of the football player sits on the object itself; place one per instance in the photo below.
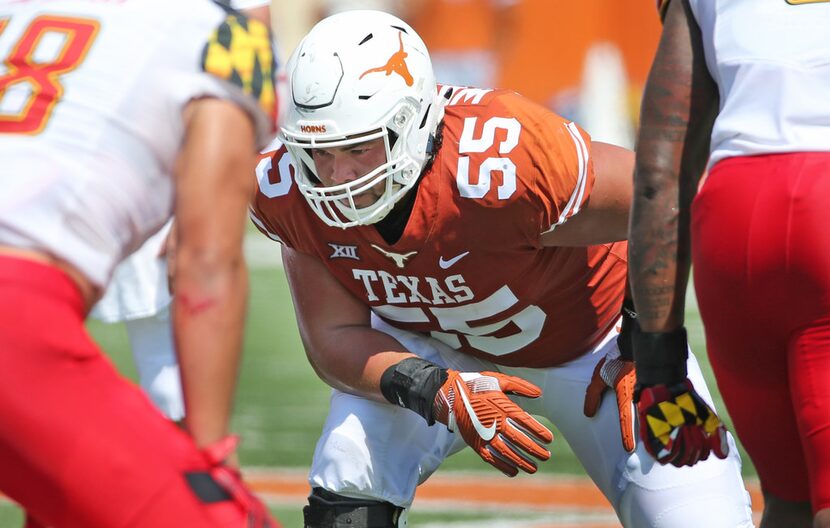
(107, 109)
(743, 85)
(456, 261)
(139, 296)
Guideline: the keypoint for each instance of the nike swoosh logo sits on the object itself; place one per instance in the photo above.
(486, 433)
(447, 263)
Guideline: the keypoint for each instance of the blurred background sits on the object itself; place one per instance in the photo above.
(585, 60)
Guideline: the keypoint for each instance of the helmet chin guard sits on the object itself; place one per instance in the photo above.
(359, 76)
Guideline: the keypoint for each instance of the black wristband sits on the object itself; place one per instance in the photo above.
(413, 383)
(660, 357)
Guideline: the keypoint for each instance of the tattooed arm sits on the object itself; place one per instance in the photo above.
(679, 106)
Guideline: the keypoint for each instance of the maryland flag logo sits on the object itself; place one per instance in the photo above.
(684, 410)
(239, 51)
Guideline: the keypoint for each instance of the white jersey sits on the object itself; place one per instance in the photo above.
(139, 287)
(91, 94)
(771, 60)
(249, 4)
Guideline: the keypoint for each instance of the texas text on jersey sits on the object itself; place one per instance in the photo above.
(508, 179)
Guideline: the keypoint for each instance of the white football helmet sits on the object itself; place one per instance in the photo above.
(359, 76)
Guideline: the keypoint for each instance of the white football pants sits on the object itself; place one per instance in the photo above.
(151, 342)
(382, 452)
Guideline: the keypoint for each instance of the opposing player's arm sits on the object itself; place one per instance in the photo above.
(213, 184)
(345, 351)
(604, 216)
(679, 106)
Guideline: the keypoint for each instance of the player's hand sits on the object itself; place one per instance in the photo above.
(616, 371)
(230, 481)
(475, 404)
(678, 427)
(618, 374)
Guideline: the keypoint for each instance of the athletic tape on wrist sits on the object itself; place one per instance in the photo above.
(413, 383)
(660, 357)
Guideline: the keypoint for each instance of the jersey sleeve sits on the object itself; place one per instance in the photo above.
(554, 161)
(569, 178)
(236, 61)
(258, 219)
(275, 198)
(248, 4)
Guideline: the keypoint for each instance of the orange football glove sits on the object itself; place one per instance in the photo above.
(476, 405)
(617, 374)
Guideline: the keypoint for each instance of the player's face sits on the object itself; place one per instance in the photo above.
(339, 165)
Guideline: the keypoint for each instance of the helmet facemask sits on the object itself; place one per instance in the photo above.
(335, 204)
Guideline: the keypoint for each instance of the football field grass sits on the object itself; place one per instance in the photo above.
(281, 405)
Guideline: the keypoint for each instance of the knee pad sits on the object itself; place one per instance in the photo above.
(330, 510)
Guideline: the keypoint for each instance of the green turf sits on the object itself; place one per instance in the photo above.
(281, 404)
(10, 515)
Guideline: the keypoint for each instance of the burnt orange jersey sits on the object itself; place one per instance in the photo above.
(469, 268)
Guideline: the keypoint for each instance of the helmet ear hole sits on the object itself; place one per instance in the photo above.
(393, 139)
(424, 119)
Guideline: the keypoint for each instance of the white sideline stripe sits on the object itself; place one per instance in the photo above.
(546, 522)
(504, 515)
(551, 511)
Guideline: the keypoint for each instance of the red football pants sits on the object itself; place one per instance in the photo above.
(79, 445)
(761, 253)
